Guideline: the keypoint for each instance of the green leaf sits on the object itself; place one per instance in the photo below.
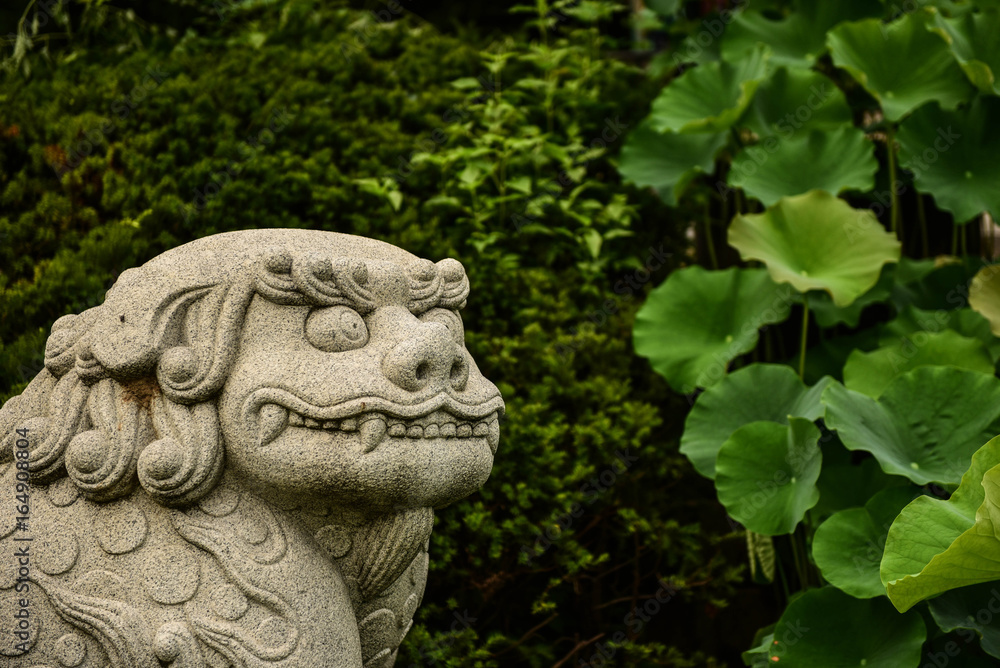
(833, 161)
(984, 295)
(971, 608)
(843, 486)
(870, 373)
(791, 100)
(902, 64)
(848, 546)
(973, 40)
(697, 321)
(766, 474)
(828, 314)
(826, 627)
(952, 155)
(916, 323)
(668, 161)
(710, 97)
(935, 546)
(817, 242)
(799, 39)
(925, 426)
(771, 392)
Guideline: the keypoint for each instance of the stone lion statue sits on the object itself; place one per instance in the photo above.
(234, 460)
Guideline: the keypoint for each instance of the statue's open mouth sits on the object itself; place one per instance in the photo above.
(374, 419)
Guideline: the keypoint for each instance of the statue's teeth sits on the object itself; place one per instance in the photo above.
(464, 430)
(448, 430)
(416, 431)
(330, 424)
(480, 429)
(493, 435)
(397, 430)
(296, 420)
(349, 424)
(271, 422)
(372, 431)
(431, 431)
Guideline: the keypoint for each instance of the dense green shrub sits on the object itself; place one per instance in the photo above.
(302, 115)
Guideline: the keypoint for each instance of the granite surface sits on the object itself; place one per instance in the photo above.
(235, 459)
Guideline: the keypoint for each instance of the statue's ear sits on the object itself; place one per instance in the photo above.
(15, 414)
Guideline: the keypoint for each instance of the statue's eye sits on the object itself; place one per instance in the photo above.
(449, 319)
(334, 329)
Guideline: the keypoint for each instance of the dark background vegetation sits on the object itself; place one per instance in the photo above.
(117, 121)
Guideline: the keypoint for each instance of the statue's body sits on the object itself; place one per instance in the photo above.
(235, 459)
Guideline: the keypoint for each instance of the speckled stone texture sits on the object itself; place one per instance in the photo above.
(235, 460)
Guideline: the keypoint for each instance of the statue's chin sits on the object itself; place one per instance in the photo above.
(343, 468)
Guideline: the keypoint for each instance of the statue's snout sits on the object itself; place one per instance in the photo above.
(428, 359)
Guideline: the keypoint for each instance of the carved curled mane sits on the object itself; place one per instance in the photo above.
(127, 394)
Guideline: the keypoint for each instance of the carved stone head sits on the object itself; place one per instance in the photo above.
(311, 383)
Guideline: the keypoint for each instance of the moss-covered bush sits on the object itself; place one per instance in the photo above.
(587, 543)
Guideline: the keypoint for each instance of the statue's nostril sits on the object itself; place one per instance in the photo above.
(459, 374)
(422, 370)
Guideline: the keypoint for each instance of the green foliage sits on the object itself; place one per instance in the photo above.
(808, 101)
(303, 114)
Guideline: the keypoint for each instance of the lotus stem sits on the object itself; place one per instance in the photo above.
(708, 233)
(890, 145)
(922, 216)
(805, 333)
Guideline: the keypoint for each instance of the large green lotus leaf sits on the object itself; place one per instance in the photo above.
(870, 373)
(927, 526)
(953, 156)
(829, 629)
(902, 64)
(792, 100)
(697, 321)
(817, 242)
(834, 161)
(848, 546)
(845, 485)
(710, 97)
(914, 323)
(925, 426)
(828, 314)
(971, 608)
(668, 161)
(984, 295)
(936, 284)
(797, 40)
(973, 40)
(757, 392)
(936, 546)
(766, 472)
